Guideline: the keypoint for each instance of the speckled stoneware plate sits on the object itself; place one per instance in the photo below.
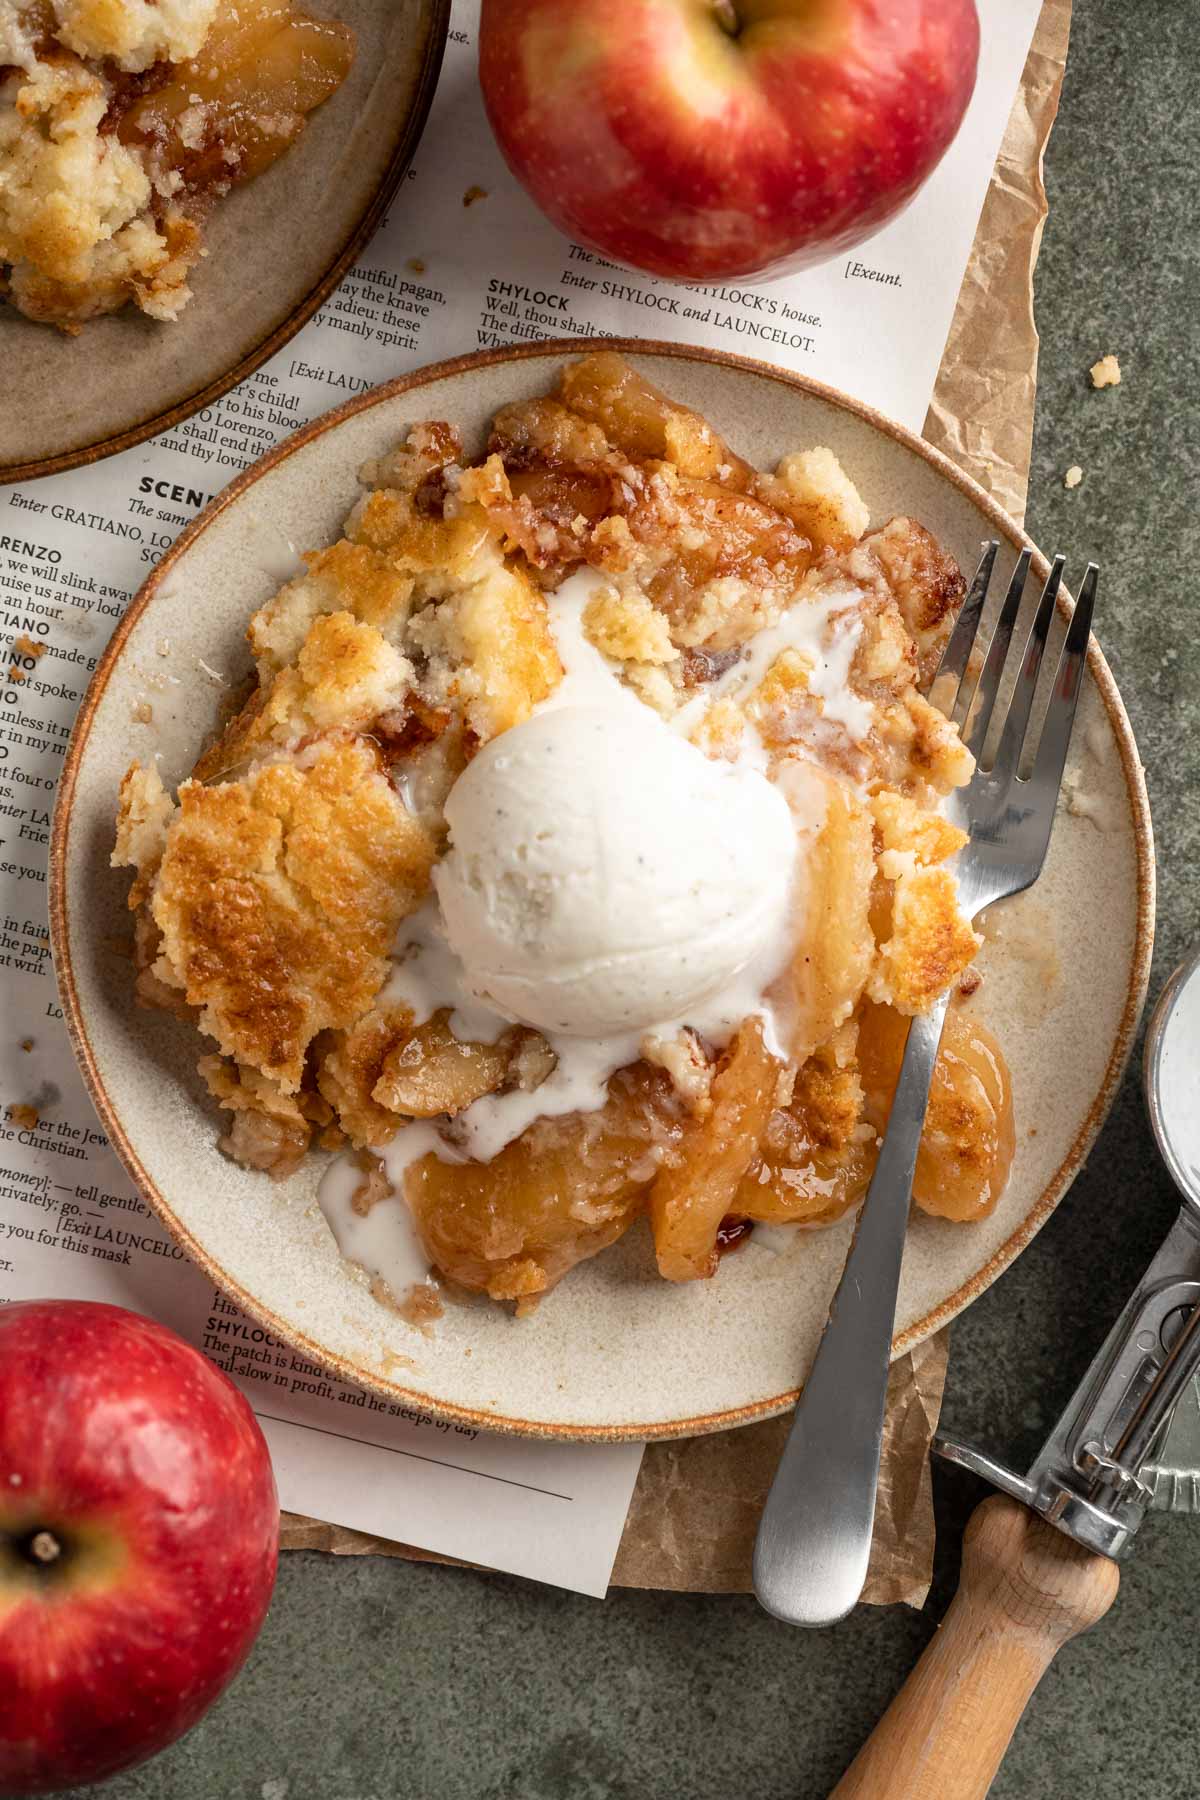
(614, 1351)
(277, 246)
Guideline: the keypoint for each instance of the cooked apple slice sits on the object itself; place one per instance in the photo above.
(968, 1142)
(692, 1196)
(563, 1190)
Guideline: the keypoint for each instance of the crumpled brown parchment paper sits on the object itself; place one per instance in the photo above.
(982, 408)
(695, 1509)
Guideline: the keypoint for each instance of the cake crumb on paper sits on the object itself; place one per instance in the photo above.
(1073, 476)
(142, 713)
(24, 1116)
(474, 193)
(1106, 372)
(415, 263)
(25, 646)
(27, 1045)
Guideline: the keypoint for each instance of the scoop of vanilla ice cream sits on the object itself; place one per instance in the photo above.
(604, 875)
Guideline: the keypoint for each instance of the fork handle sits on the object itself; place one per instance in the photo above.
(1026, 1590)
(814, 1540)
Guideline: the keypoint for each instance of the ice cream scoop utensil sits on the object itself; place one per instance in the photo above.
(1040, 1564)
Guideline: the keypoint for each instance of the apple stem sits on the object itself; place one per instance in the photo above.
(726, 16)
(44, 1547)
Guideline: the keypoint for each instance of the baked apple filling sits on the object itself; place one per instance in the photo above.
(580, 855)
(123, 121)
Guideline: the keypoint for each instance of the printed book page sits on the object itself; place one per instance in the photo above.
(463, 261)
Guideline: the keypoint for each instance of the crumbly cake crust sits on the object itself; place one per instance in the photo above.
(277, 898)
(133, 34)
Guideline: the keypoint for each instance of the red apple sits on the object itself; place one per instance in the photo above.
(139, 1530)
(704, 139)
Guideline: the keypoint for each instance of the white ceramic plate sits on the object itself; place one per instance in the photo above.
(614, 1351)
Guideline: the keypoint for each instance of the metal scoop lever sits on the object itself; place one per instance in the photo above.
(1087, 1479)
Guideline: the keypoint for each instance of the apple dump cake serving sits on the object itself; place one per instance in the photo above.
(123, 121)
(579, 853)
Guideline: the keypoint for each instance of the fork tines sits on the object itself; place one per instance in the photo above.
(971, 703)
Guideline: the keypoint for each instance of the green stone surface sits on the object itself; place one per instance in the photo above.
(376, 1679)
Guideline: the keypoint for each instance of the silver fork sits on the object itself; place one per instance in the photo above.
(810, 1560)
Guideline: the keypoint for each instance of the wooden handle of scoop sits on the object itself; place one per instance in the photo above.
(1025, 1590)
